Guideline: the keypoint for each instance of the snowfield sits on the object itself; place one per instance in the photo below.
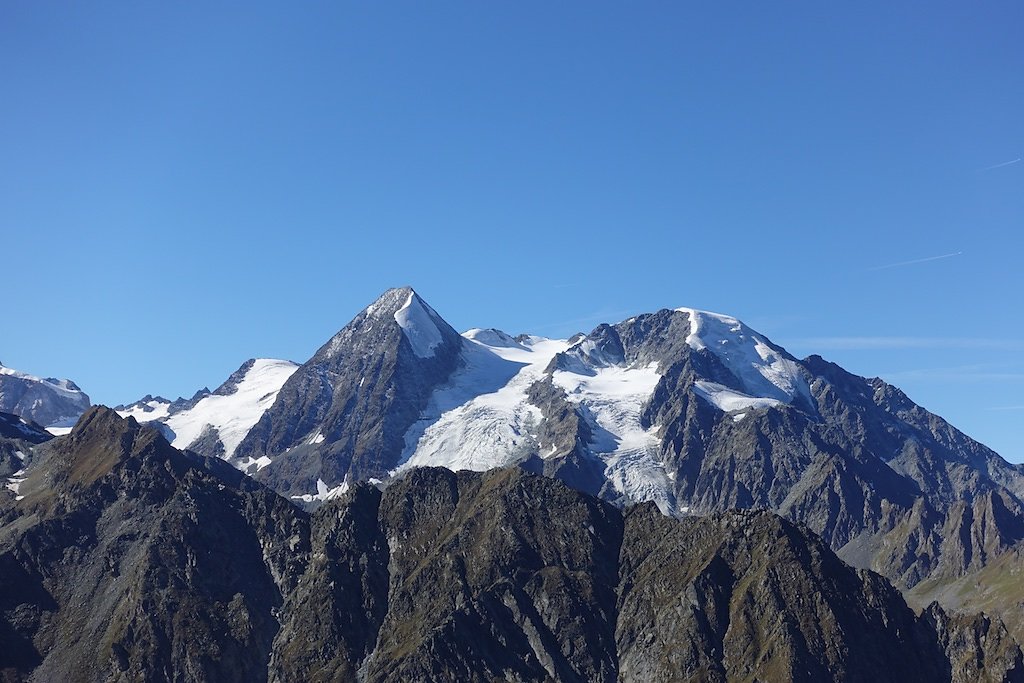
(418, 326)
(232, 416)
(481, 418)
(155, 409)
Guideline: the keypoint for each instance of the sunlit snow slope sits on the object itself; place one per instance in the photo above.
(481, 418)
(227, 414)
(765, 376)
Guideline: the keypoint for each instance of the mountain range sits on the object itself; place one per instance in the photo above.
(688, 413)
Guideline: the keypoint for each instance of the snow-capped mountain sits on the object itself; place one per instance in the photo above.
(215, 423)
(344, 414)
(48, 401)
(487, 414)
(691, 410)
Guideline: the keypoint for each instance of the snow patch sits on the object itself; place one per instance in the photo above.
(728, 400)
(14, 483)
(259, 463)
(418, 326)
(493, 338)
(148, 411)
(323, 492)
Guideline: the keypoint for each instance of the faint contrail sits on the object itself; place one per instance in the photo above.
(1005, 163)
(917, 260)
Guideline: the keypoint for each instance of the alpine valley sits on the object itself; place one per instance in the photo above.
(670, 497)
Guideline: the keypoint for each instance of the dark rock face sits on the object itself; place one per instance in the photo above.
(891, 486)
(504, 576)
(344, 413)
(19, 428)
(129, 560)
(44, 401)
(566, 431)
(748, 596)
(17, 438)
(330, 620)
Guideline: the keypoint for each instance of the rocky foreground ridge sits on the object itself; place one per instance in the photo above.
(124, 559)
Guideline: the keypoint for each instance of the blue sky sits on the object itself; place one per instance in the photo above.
(184, 186)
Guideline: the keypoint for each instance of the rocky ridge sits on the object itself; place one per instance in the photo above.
(693, 411)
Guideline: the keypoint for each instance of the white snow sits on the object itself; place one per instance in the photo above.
(233, 415)
(14, 483)
(59, 431)
(766, 376)
(613, 397)
(481, 418)
(148, 411)
(259, 463)
(728, 400)
(418, 327)
(323, 492)
(493, 338)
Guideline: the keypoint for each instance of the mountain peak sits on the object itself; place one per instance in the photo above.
(390, 301)
(423, 328)
(762, 369)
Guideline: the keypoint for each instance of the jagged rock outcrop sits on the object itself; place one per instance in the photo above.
(17, 438)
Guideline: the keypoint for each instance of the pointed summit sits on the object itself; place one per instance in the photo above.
(422, 326)
(345, 411)
(390, 301)
(398, 312)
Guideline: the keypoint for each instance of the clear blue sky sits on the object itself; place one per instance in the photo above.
(186, 185)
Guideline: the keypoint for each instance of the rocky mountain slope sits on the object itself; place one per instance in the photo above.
(692, 411)
(50, 402)
(344, 413)
(129, 560)
(18, 436)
